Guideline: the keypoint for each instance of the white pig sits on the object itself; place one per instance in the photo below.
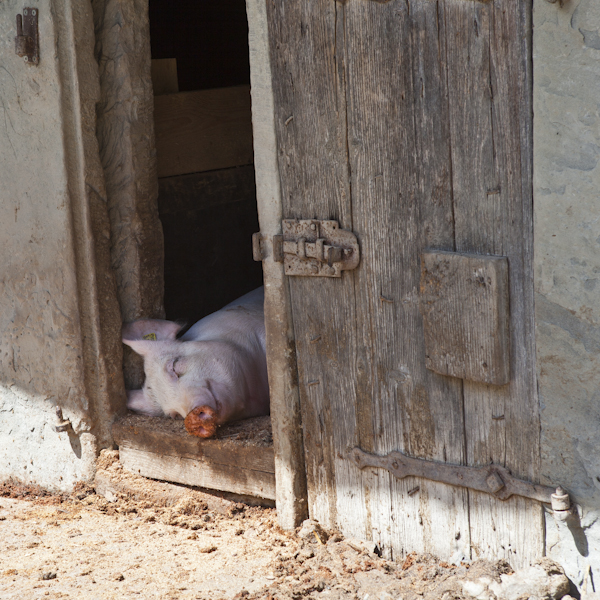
(216, 371)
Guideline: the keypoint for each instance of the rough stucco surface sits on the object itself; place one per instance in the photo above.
(566, 60)
(57, 316)
(127, 149)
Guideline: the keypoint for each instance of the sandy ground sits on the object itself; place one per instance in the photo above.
(85, 546)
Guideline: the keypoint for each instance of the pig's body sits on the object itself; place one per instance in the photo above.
(216, 372)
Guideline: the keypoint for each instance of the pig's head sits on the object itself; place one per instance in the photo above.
(192, 380)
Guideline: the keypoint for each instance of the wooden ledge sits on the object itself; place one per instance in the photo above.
(240, 459)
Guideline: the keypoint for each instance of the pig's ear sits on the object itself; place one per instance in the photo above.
(139, 402)
(155, 330)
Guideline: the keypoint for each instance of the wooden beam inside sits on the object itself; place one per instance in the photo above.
(163, 72)
(203, 130)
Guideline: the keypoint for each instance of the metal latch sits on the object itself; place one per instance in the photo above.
(311, 248)
(27, 42)
(493, 479)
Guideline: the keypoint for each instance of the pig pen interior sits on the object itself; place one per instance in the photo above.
(207, 208)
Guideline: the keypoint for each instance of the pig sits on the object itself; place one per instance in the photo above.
(216, 372)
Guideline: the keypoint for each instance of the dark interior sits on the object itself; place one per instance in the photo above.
(209, 39)
(208, 217)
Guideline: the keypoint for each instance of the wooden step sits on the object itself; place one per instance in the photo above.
(239, 459)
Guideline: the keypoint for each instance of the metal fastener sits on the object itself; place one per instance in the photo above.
(494, 482)
(63, 424)
(562, 508)
(27, 38)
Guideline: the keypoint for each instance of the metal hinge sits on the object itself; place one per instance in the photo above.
(311, 248)
(492, 479)
(26, 41)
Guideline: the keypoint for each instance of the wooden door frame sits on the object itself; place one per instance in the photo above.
(290, 473)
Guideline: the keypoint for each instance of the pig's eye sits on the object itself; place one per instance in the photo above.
(175, 368)
(178, 367)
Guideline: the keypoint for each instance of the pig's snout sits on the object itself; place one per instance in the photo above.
(201, 422)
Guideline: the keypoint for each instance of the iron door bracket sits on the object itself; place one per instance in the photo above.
(27, 39)
(311, 248)
(492, 479)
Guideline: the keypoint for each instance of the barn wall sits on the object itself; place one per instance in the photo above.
(59, 320)
(566, 60)
(125, 130)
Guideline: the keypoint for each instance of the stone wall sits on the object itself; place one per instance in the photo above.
(566, 62)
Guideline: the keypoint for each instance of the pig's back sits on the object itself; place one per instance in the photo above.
(241, 321)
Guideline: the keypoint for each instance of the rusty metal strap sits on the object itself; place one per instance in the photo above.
(492, 479)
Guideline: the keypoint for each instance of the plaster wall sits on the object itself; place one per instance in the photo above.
(59, 321)
(566, 64)
(125, 130)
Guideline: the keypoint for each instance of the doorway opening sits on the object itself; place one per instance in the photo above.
(207, 194)
(208, 210)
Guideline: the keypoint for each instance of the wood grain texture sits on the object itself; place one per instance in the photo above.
(109, 484)
(310, 122)
(464, 302)
(385, 121)
(198, 473)
(146, 437)
(489, 79)
(397, 113)
(286, 419)
(203, 130)
(241, 461)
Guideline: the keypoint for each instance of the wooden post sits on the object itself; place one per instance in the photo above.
(290, 474)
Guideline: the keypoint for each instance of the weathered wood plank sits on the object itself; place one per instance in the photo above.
(490, 89)
(198, 473)
(399, 162)
(290, 471)
(464, 302)
(307, 58)
(203, 130)
(239, 460)
(113, 480)
(150, 434)
(401, 91)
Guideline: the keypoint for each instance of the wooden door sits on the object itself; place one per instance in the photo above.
(409, 122)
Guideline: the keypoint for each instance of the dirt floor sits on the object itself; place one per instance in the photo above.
(154, 543)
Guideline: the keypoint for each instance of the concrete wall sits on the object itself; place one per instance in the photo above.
(59, 320)
(566, 61)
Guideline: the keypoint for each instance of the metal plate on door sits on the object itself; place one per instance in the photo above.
(317, 248)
